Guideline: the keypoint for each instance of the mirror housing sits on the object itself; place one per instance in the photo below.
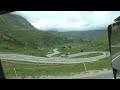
(114, 45)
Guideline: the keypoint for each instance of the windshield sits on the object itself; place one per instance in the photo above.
(56, 44)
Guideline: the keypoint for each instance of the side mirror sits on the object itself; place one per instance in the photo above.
(114, 46)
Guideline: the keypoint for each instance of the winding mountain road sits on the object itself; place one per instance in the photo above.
(55, 52)
(54, 59)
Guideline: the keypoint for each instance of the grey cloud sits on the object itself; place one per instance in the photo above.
(70, 20)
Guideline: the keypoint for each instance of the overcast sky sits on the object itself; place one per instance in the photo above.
(69, 20)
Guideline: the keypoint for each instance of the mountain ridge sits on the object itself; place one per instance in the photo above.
(83, 35)
(19, 28)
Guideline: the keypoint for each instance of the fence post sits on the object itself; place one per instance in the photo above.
(85, 67)
(15, 72)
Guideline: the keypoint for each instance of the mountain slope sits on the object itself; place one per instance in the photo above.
(100, 43)
(80, 36)
(19, 29)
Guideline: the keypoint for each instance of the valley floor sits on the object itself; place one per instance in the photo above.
(94, 74)
(60, 67)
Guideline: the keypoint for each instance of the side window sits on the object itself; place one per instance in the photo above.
(115, 47)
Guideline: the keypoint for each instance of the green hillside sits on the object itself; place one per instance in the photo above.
(79, 36)
(98, 44)
(17, 35)
(20, 29)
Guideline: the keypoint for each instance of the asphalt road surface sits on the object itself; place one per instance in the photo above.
(55, 52)
(54, 59)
